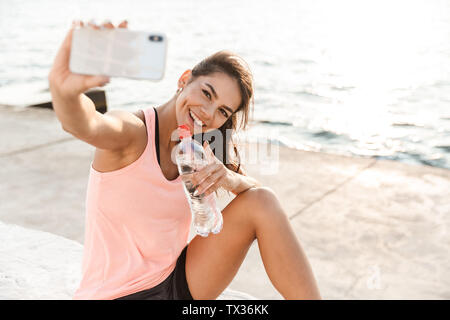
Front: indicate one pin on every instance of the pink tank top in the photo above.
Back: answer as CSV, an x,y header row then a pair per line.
x,y
137,224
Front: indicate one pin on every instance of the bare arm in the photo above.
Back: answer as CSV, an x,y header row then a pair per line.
x,y
73,109
76,112
76,115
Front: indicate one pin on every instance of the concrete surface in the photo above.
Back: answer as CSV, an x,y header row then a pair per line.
x,y
372,229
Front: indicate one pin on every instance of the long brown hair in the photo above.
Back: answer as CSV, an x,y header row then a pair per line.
x,y
234,66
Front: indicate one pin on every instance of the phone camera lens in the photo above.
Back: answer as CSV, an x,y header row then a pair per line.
x,y
155,38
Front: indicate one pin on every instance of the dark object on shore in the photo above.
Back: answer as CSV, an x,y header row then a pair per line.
x,y
97,96
37,94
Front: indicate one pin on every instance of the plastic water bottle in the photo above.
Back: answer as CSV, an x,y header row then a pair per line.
x,y
191,157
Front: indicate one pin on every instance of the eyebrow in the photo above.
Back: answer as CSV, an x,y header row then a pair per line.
x,y
216,96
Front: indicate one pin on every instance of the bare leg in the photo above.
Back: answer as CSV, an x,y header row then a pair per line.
x,y
283,257
212,262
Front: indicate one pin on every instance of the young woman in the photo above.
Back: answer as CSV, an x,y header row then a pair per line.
x,y
137,215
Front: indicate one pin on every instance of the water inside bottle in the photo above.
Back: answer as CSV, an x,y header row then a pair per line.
x,y
191,159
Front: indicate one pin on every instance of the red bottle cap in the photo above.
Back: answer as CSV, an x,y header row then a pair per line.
x,y
184,131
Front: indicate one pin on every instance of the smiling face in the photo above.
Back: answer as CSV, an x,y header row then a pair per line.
x,y
206,102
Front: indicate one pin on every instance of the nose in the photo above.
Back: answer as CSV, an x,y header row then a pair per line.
x,y
206,113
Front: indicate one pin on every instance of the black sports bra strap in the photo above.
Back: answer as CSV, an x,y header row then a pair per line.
x,y
156,135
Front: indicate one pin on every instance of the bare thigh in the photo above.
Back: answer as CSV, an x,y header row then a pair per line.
x,y
212,262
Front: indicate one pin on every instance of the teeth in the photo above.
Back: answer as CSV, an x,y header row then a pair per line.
x,y
196,120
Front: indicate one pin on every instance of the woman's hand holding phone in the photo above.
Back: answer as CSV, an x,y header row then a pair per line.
x,y
65,84
74,110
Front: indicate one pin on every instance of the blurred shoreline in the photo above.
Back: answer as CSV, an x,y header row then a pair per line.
x,y
270,135
374,90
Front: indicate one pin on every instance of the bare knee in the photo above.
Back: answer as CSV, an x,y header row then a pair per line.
x,y
262,202
258,192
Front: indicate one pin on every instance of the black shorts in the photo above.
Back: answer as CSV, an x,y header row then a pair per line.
x,y
174,287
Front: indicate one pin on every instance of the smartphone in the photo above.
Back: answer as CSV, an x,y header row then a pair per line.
x,y
118,52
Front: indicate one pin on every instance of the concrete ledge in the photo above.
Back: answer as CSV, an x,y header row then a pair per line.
x,y
37,265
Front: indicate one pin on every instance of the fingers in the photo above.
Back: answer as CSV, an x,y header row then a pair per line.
x,y
208,177
77,23
201,175
96,81
210,184
106,24
91,23
123,24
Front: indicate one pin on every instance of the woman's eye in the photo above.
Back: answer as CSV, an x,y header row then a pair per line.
x,y
225,114
207,94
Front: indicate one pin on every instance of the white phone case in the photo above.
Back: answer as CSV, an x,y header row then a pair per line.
x,y
118,52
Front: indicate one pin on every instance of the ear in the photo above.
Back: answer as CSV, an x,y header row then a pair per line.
x,y
185,78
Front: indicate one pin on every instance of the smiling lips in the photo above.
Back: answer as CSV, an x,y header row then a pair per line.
x,y
196,120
